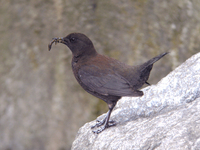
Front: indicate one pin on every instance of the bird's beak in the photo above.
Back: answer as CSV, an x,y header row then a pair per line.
x,y
56,40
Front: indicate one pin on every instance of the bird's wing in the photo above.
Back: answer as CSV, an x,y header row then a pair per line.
x,y
106,82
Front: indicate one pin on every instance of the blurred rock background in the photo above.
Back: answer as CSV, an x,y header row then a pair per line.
x,y
41,104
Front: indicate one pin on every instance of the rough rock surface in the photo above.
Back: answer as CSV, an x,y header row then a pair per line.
x,y
166,117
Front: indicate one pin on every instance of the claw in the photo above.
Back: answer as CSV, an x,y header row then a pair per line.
x,y
110,124
99,130
99,123
104,126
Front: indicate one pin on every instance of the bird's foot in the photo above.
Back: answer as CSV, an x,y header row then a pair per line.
x,y
104,127
100,123
99,130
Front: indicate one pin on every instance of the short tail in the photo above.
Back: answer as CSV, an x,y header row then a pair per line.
x,y
145,68
152,61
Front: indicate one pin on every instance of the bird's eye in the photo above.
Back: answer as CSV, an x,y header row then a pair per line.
x,y
72,39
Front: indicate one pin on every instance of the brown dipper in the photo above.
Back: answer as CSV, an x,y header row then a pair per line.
x,y
104,77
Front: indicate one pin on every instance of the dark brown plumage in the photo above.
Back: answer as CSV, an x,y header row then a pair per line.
x,y
104,77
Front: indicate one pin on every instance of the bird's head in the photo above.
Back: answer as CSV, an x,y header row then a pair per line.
x,y
78,43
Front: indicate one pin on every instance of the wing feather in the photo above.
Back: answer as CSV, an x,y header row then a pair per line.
x,y
106,82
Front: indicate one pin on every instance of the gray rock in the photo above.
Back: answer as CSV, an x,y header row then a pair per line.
x,y
166,117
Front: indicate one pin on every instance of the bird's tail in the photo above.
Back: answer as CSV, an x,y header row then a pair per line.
x,y
145,68
152,61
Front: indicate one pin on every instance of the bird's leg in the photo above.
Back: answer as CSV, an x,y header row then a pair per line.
x,y
100,123
105,122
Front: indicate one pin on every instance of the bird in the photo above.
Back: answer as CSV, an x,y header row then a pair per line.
x,y
104,77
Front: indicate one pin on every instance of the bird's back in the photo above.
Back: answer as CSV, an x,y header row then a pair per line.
x,y
109,74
